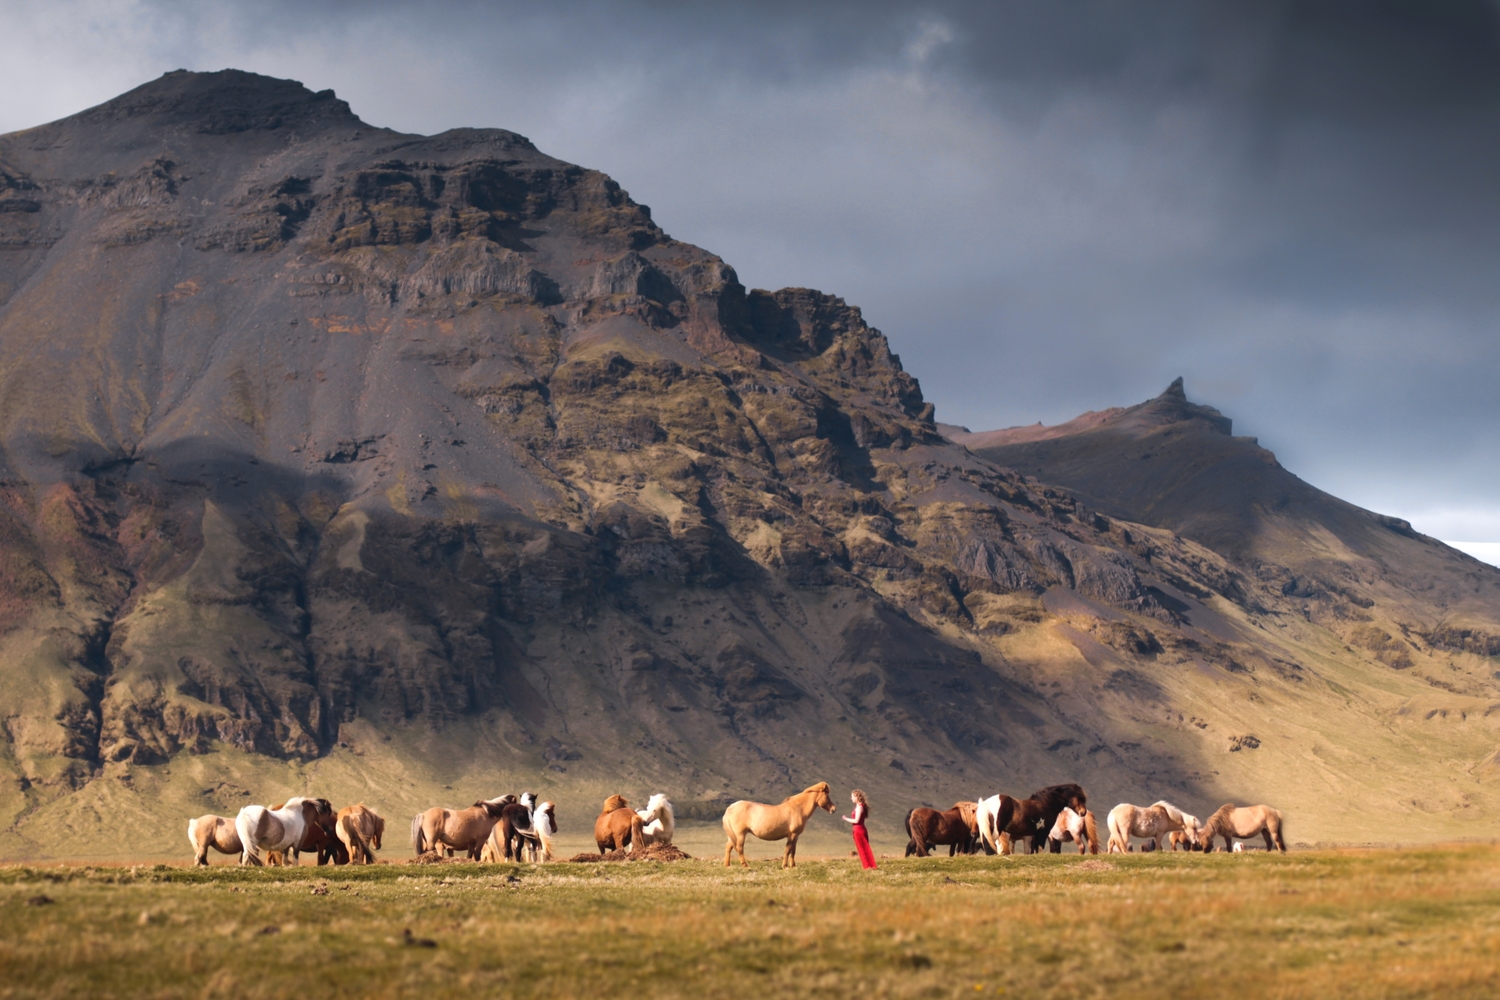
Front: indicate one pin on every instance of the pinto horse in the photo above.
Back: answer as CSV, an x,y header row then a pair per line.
x,y
212,831
784,821
1079,828
618,826
457,829
1035,816
993,815
1243,822
283,828
956,827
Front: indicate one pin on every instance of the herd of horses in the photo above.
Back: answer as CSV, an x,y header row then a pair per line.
x,y
519,828
1058,814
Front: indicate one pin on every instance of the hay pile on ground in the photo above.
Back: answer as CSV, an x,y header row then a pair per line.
x,y
433,858
654,852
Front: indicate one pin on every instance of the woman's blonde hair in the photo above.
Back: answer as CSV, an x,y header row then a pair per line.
x,y
859,796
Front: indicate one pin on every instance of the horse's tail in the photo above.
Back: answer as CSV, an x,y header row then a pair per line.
x,y
1280,827
199,853
637,834
418,841
1091,829
911,840
1117,838
348,832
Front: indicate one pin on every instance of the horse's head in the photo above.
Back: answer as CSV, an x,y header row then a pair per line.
x,y
823,796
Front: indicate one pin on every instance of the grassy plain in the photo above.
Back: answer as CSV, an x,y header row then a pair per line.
x,y
1375,923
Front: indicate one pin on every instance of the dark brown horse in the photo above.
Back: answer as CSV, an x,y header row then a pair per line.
x,y
956,827
1034,817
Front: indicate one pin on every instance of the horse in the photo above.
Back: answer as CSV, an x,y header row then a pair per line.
x,y
320,836
1187,837
545,821
658,821
1079,828
360,828
955,827
212,831
992,815
618,826
784,821
1125,821
457,829
280,829
1231,821
1040,811
516,830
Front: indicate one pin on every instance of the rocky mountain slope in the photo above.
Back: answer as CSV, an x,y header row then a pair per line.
x,y
415,467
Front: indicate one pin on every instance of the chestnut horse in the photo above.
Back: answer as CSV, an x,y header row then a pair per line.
x,y
784,821
360,828
212,831
955,827
457,829
618,826
1243,822
1035,816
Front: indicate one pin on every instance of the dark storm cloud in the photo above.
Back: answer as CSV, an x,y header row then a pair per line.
x,y
1049,206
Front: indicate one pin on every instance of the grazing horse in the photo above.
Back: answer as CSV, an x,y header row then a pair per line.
x,y
784,821
955,827
618,826
320,837
1079,828
658,821
457,829
280,829
360,828
212,831
1243,822
1185,838
992,815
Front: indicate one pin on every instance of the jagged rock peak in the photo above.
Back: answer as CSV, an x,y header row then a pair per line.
x,y
1173,406
1175,391
224,102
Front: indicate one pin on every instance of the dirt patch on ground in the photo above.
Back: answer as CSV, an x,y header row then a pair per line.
x,y
656,852
434,858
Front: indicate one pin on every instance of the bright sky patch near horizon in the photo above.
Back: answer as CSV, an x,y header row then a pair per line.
x,y
1047,208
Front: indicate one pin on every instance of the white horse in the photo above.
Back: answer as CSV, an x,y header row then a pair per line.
x,y
1187,836
1078,828
987,815
263,829
544,822
658,821
1152,823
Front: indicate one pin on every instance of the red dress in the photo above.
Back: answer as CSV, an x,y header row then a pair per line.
x,y
861,838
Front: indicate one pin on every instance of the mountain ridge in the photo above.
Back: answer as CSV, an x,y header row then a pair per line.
x,y
335,456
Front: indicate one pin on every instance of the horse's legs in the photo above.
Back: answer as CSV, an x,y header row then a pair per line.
x,y
789,856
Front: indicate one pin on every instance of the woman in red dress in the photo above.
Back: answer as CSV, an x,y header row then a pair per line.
x,y
861,838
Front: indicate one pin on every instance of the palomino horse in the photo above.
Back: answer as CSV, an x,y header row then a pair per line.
x,y
785,821
361,829
617,826
1243,822
658,822
993,815
1152,823
1079,828
281,829
457,829
212,831
927,827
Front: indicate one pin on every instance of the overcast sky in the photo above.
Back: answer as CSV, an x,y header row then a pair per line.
x,y
1049,206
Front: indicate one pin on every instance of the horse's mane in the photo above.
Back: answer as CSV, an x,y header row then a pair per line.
x,y
968,812
1057,796
614,802
821,786
1219,816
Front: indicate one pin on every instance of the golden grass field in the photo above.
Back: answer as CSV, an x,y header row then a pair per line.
x,y
1365,923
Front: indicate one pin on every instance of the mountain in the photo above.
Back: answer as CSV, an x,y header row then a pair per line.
x,y
413,468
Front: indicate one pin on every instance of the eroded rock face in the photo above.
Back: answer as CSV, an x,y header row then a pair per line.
x,y
305,422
